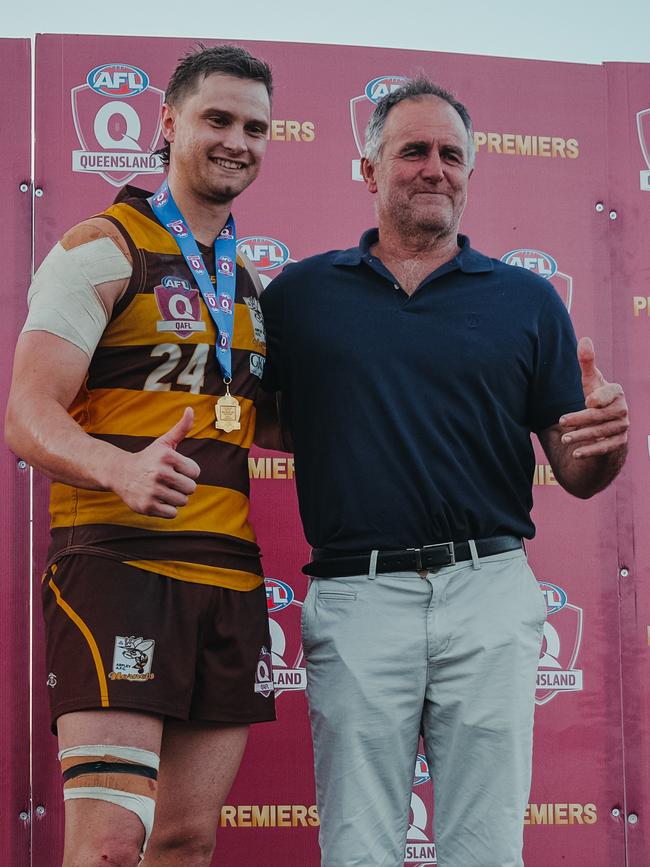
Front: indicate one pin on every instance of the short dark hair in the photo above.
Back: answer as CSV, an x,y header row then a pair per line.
x,y
223,59
411,89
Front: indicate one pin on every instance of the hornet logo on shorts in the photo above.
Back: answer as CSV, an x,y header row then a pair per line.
x,y
361,108
284,623
132,658
545,265
420,849
643,128
556,670
116,115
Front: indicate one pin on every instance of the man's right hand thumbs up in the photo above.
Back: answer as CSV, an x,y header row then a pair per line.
x,y
158,480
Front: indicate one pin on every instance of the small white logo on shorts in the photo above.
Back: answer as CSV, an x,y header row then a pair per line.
x,y
132,658
264,673
51,680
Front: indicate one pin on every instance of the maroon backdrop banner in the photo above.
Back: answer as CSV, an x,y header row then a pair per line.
x,y
561,187
16,198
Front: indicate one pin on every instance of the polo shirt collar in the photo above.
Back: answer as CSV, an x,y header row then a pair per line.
x,y
467,259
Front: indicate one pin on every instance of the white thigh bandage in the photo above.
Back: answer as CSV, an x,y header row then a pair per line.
x,y
126,776
63,297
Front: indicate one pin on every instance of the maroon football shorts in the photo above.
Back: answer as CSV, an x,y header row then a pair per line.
x,y
120,637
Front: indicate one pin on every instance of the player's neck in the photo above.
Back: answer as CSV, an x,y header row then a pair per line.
x,y
205,218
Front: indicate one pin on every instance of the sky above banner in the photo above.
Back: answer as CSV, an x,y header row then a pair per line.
x,y
582,31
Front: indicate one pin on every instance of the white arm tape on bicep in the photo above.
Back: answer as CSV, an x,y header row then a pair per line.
x,y
63,298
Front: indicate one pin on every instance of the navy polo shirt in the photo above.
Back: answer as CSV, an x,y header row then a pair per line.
x,y
411,416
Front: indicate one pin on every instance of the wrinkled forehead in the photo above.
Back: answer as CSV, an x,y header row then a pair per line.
x,y
424,118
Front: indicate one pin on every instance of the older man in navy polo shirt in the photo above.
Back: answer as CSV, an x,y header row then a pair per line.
x,y
413,370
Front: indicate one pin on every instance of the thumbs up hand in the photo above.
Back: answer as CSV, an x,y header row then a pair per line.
x,y
601,428
158,480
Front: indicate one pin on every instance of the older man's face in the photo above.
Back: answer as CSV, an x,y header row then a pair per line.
x,y
421,175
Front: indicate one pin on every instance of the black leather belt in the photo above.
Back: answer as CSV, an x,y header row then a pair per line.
x,y
330,564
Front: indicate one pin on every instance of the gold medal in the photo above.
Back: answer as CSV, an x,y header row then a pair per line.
x,y
228,411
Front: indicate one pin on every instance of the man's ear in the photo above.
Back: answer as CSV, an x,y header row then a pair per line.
x,y
368,174
168,124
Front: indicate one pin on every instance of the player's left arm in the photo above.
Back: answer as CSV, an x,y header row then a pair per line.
x,y
587,449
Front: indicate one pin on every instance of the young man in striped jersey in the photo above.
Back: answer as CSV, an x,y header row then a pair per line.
x,y
134,390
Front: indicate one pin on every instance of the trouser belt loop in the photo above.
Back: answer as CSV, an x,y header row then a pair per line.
x,y
476,563
372,571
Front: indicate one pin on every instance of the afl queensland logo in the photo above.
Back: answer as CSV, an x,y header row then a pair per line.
x,y
420,849
116,114
421,773
278,595
383,85
285,609
556,671
118,80
361,107
532,260
555,596
265,253
542,263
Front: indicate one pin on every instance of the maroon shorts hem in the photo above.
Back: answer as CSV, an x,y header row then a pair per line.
x,y
160,710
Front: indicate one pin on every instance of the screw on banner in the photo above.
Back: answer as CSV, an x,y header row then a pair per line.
x,y
24,187
600,207
23,815
632,819
38,192
40,810
22,465
616,812
624,573
613,215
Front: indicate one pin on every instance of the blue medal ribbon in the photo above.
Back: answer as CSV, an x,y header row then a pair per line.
x,y
220,304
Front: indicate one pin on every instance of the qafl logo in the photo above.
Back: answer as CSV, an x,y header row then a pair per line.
x,y
420,849
266,254
116,115
361,108
542,263
289,673
643,128
556,671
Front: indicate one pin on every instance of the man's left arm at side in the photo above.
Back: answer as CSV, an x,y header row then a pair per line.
x,y
587,449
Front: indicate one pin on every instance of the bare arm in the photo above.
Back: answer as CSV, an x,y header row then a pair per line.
x,y
587,449
48,373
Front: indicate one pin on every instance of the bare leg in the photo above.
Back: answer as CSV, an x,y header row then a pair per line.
x,y
198,764
97,833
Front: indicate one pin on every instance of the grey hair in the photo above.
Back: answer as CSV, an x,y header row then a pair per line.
x,y
411,89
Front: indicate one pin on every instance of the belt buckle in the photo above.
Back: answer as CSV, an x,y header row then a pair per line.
x,y
418,554
450,550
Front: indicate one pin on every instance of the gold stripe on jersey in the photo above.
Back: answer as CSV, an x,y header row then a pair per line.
x,y
137,327
231,579
210,509
127,412
145,231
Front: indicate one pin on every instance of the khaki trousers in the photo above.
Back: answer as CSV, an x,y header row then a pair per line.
x,y
452,655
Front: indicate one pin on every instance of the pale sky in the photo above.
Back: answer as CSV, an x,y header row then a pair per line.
x,y
584,31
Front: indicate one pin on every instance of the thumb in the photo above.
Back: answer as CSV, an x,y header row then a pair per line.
x,y
177,434
591,376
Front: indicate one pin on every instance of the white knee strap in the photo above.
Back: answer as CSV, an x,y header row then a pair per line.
x,y
133,773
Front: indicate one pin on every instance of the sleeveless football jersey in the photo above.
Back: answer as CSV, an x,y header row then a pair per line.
x,y
157,356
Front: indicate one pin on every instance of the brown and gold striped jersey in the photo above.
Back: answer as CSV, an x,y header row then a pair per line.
x,y
157,356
